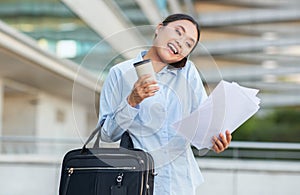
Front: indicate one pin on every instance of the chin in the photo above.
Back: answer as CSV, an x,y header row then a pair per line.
x,y
170,58
174,60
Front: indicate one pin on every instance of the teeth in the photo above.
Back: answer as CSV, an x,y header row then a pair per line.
x,y
173,48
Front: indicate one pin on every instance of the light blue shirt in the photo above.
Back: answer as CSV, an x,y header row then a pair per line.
x,y
150,123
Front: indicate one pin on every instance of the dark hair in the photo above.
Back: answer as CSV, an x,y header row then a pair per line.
x,y
175,17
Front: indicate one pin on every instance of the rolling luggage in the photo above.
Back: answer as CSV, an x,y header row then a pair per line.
x,y
107,171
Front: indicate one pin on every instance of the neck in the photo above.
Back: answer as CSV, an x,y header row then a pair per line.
x,y
157,63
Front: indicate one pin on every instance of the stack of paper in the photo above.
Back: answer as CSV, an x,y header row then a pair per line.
x,y
227,107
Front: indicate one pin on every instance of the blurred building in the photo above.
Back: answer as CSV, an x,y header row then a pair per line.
x,y
54,55
254,43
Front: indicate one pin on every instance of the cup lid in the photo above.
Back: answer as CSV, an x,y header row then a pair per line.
x,y
141,62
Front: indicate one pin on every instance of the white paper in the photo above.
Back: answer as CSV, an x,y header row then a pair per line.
x,y
227,107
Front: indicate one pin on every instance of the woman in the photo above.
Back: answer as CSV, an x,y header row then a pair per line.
x,y
148,109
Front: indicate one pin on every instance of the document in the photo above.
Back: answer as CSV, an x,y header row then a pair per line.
x,y
226,108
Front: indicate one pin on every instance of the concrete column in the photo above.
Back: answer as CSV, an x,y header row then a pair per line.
x,y
1,104
1,109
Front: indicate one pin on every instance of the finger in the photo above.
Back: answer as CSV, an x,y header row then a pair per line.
x,y
149,94
147,79
153,88
142,80
152,82
215,148
228,136
223,139
218,143
149,84
139,92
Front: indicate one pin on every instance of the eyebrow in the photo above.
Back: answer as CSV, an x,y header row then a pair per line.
x,y
183,29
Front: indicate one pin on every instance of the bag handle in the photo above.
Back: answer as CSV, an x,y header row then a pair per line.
x,y
126,141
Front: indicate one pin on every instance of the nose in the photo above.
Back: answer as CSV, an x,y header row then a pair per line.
x,y
178,44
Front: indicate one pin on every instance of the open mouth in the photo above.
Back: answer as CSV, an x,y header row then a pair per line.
x,y
173,48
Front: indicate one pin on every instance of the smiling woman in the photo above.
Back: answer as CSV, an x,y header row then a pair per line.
x,y
183,33
147,109
178,38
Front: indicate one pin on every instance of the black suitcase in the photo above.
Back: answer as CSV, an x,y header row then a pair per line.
x,y
107,171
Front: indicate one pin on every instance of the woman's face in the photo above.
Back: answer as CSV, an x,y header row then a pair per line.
x,y
175,41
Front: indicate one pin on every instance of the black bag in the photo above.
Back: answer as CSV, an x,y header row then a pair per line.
x,y
107,171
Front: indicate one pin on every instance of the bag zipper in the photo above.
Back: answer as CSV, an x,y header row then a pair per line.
x,y
147,175
105,155
142,182
72,169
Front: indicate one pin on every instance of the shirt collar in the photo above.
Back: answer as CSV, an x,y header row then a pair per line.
x,y
169,69
166,69
140,56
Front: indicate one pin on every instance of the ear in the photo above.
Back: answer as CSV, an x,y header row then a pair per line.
x,y
159,26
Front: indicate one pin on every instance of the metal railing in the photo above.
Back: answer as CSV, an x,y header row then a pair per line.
x,y
236,150
258,150
37,145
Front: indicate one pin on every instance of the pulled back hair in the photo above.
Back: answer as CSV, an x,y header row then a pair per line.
x,y
176,17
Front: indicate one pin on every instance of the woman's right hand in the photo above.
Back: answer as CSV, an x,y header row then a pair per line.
x,y
143,88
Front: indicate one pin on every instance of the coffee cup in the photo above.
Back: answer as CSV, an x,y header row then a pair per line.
x,y
145,67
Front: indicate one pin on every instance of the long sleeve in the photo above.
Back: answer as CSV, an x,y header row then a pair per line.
x,y
114,108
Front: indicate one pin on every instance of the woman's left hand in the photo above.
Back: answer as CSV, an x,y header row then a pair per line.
x,y
221,143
